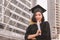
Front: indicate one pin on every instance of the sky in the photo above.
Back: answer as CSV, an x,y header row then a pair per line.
x,y
43,3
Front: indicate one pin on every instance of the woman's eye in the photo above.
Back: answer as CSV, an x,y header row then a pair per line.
x,y
39,15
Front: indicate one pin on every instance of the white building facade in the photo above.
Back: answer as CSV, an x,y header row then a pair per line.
x,y
54,18
14,18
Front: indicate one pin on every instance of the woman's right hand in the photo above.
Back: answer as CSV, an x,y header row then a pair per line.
x,y
34,35
38,32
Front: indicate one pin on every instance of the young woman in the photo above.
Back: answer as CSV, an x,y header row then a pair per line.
x,y
33,32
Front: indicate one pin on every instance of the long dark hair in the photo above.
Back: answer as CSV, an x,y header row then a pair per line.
x,y
34,19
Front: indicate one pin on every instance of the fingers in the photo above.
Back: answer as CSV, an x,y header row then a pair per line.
x,y
38,32
33,38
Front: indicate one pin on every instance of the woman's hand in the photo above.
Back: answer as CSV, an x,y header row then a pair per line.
x,y
33,38
38,32
34,35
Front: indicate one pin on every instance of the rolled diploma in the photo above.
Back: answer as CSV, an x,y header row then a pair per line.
x,y
38,24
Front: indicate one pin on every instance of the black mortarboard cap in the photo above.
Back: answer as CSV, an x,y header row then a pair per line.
x,y
37,8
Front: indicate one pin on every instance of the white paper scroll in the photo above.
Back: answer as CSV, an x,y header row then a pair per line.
x,y
38,25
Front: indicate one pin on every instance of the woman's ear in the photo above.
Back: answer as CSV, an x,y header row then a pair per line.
x,y
31,22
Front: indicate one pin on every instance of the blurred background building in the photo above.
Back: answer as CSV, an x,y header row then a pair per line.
x,y
54,18
14,18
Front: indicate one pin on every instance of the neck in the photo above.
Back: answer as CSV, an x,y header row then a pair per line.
x,y
39,21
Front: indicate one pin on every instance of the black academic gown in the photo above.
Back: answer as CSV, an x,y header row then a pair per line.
x,y
45,28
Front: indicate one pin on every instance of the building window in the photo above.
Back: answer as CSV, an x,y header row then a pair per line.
x,y
8,28
27,22
57,19
6,19
17,31
57,11
25,15
57,16
15,16
20,5
57,24
11,7
0,9
23,20
5,3
2,26
8,13
20,26
58,30
23,1
26,9
14,2
18,11
12,23
28,4
1,1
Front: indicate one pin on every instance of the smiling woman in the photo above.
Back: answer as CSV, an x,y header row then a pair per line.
x,y
41,29
44,5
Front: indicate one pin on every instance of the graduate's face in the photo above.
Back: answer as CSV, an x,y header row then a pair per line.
x,y
38,16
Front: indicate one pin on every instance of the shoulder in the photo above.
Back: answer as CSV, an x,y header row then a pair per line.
x,y
30,26
46,22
